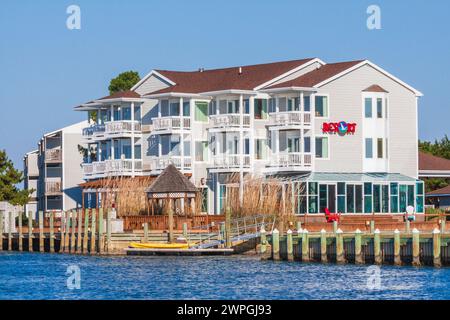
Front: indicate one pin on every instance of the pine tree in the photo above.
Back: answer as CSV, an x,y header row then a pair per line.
x,y
10,177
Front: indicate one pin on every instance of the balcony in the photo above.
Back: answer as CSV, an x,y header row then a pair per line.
x,y
53,186
112,129
171,123
53,156
225,121
230,161
290,118
111,168
290,161
160,163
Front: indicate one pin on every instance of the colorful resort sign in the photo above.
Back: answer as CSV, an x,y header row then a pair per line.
x,y
341,128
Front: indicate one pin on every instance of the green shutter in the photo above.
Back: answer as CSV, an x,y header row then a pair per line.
x,y
201,111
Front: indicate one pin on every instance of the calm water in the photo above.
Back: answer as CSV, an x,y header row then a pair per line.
x,y
43,276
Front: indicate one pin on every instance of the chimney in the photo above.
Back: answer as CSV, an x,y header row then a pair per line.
x,y
240,70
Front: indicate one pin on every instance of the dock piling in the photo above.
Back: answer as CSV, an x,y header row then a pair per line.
x,y
377,246
358,247
407,226
263,244
335,227
72,235
30,231
108,230
79,230
145,239
66,231
20,231
101,230
10,227
397,257
416,247
290,246
305,246
372,226
228,227
437,248
443,225
52,232
41,231
340,258
93,230
323,246
299,225
86,231
1,230
185,230
275,244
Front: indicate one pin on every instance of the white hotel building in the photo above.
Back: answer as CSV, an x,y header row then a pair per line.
x,y
346,131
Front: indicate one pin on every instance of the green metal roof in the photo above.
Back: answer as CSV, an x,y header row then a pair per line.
x,y
352,177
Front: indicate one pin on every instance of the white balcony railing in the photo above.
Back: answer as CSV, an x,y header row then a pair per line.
x,y
112,128
292,159
229,120
53,155
173,122
111,167
230,161
290,118
160,163
53,186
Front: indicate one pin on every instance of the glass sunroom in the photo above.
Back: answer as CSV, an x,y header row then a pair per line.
x,y
357,193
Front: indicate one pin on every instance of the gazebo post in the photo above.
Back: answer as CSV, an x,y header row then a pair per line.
x,y
170,221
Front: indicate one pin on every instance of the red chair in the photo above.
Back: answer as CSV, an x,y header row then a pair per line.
x,y
332,216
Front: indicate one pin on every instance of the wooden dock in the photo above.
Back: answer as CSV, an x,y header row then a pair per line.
x,y
410,247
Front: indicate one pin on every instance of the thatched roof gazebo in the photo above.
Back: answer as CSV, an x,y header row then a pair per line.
x,y
171,185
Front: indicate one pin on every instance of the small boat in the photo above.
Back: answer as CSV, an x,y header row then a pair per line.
x,y
150,245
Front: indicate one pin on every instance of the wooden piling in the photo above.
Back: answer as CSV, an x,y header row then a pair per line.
x,y
101,230
108,230
443,225
145,238
305,246
185,230
30,231
290,246
20,231
335,227
93,231
1,230
416,247
377,246
323,246
437,248
86,231
397,257
275,244
299,225
73,231
10,227
263,242
52,232
66,230
358,247
340,258
228,227
41,231
79,230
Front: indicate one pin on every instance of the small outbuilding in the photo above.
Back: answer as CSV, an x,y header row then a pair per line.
x,y
175,191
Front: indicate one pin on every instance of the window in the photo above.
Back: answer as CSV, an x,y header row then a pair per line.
x,y
261,150
379,108
367,197
212,107
294,144
322,106
350,198
233,106
186,109
164,108
377,198
187,148
272,105
313,200
204,194
419,197
380,148
293,104
368,107
246,106
116,149
126,113
323,197
137,112
282,104
394,197
201,153
306,103
174,108
322,147
358,198
126,148
369,147
385,200
117,113
341,197
402,206
307,144
201,109
260,109
137,151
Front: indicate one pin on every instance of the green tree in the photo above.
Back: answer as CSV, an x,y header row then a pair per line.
x,y
9,178
124,81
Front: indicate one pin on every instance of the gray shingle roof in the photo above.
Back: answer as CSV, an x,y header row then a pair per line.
x,y
171,180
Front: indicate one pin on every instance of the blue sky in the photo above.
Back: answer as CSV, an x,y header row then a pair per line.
x,y
46,69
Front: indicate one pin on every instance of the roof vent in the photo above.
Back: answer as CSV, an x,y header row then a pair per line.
x,y
201,69
240,70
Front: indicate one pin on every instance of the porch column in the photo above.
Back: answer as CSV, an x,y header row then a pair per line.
x,y
182,135
132,140
112,112
312,99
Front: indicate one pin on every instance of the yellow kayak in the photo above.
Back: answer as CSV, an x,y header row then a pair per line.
x,y
149,245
